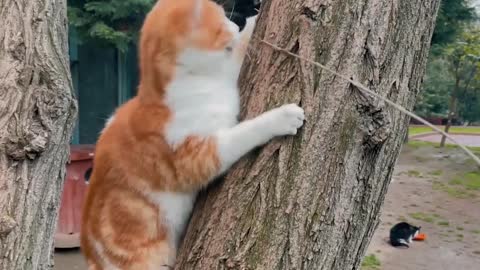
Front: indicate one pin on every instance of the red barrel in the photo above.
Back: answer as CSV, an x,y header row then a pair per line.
x,y
74,191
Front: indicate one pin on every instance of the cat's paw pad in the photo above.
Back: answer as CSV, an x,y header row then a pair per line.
x,y
287,119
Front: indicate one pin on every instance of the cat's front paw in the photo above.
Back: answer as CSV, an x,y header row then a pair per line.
x,y
286,120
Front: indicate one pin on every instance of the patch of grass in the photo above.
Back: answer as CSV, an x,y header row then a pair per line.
x,y
371,262
460,235
419,144
414,173
471,181
455,182
402,219
460,228
413,130
476,252
422,216
444,223
461,187
456,191
436,173
421,159
475,231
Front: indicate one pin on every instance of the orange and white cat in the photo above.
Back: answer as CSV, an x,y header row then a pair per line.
x,y
178,134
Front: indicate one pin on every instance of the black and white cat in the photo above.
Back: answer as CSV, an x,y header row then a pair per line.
x,y
402,234
238,11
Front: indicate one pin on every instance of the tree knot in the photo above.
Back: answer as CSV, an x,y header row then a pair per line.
x,y
7,224
375,123
32,143
50,105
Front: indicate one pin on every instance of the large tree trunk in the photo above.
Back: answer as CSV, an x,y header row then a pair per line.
x,y
37,111
313,201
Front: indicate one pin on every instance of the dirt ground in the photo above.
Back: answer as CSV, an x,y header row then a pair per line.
x,y
69,259
423,194
427,191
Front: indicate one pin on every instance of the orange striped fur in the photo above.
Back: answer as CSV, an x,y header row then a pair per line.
x,y
178,134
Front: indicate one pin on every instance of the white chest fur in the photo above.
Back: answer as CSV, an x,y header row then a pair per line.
x,y
200,106
175,209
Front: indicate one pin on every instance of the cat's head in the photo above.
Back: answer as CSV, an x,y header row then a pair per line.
x,y
415,230
192,34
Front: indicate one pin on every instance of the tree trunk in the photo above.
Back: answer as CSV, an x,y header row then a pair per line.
x,y
407,136
313,201
37,111
451,114
452,109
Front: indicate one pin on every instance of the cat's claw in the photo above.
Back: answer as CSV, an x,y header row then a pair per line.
x,y
286,120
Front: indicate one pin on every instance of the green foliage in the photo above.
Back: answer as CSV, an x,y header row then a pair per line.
x,y
463,59
454,71
109,22
117,22
433,100
452,17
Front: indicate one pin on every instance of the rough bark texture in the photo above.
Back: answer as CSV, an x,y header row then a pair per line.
x,y
37,111
313,201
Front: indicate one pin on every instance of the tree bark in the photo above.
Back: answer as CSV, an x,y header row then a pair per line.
x,y
37,112
312,201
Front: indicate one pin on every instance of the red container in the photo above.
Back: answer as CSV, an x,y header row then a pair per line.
x,y
74,190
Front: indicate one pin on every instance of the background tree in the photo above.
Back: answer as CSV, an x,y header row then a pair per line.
x,y
451,20
433,100
111,22
464,66
117,22
312,201
454,18
37,111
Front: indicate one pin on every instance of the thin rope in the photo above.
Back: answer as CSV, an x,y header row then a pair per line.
x,y
372,93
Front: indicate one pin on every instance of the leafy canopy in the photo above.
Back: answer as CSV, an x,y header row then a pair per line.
x,y
108,21
451,19
455,71
453,40
117,22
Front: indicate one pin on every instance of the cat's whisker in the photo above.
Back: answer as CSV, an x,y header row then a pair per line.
x,y
233,10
